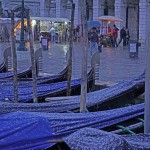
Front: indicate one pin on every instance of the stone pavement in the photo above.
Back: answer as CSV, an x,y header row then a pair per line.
x,y
115,63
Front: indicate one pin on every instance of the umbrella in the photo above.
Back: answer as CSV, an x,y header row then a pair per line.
x,y
93,23
109,18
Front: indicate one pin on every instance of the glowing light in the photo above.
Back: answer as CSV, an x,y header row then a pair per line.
x,y
33,22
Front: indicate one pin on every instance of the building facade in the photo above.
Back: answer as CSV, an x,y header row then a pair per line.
x,y
132,12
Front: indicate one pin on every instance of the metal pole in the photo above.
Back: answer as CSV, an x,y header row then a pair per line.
x,y
22,41
14,58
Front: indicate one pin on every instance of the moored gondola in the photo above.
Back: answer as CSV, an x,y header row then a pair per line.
x,y
26,73
44,90
3,67
91,138
62,76
54,126
93,98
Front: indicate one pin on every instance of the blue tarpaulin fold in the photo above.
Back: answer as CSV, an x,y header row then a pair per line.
x,y
23,131
89,138
93,98
29,130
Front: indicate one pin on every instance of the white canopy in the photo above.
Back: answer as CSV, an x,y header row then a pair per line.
x,y
51,19
39,18
8,19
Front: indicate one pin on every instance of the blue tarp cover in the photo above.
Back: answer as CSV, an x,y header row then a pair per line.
x,y
22,130
10,74
25,91
93,98
93,139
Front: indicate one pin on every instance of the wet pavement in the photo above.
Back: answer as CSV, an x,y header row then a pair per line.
x,y
115,63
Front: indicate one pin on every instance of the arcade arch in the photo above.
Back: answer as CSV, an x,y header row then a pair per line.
x,y
17,9
63,9
50,8
106,7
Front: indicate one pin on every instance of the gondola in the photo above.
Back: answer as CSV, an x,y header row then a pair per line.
x,y
46,127
90,138
44,90
62,76
3,67
96,98
26,73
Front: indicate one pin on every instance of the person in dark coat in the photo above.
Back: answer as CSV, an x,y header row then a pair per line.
x,y
93,39
122,36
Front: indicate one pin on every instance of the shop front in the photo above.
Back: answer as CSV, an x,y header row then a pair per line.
x,y
58,28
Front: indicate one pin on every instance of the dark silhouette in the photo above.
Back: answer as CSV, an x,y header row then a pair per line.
x,y
127,36
122,36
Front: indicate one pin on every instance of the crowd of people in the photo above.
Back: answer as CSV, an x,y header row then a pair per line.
x,y
62,36
96,40
124,36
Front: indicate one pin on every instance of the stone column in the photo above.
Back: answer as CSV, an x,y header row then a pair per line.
x,y
76,15
142,21
58,3
100,8
95,9
118,12
42,8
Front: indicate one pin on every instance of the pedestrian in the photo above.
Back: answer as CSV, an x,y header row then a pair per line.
x,y
40,38
74,34
122,36
127,36
110,39
109,31
100,43
78,30
93,39
115,35
52,34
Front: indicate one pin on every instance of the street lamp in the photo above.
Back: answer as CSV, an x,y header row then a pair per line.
x,y
22,41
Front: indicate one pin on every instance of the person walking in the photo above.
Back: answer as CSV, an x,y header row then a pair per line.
x,y
115,35
122,36
53,34
127,36
93,39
